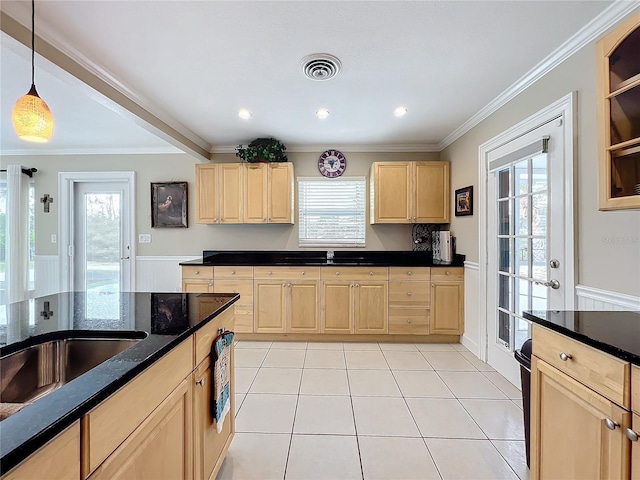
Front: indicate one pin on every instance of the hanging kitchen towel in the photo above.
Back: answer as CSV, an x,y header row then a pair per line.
x,y
221,393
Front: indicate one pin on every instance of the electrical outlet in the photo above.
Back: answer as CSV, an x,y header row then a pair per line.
x,y
54,238
144,238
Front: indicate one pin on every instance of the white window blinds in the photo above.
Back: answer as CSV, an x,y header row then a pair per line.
x,y
332,212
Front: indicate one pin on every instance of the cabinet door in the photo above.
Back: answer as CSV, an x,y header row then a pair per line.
x,y
280,193
59,459
303,307
206,193
569,437
432,192
393,192
230,192
255,193
370,307
337,307
270,306
161,447
209,445
193,285
447,308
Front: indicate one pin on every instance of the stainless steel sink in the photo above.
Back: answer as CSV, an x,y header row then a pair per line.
x,y
31,373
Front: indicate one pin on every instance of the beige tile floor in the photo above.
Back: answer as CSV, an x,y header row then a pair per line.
x,y
372,411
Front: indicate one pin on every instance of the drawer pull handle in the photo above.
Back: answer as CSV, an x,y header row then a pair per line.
x,y
357,285
409,273
233,273
303,273
409,294
197,272
201,382
270,273
337,273
611,425
371,274
565,356
448,272
631,435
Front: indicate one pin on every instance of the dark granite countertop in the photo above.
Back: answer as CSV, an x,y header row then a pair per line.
x,y
366,258
616,333
75,314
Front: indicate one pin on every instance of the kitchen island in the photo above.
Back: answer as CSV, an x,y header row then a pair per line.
x,y
585,395
112,406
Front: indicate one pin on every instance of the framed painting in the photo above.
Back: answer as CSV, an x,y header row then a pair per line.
x,y
464,201
169,205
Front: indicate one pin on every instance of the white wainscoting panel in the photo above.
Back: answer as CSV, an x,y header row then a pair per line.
x,y
159,274
590,298
47,274
471,337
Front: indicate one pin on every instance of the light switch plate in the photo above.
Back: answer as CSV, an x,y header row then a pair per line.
x,y
54,238
144,238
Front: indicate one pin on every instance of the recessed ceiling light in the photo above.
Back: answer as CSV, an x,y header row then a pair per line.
x,y
400,111
244,114
322,113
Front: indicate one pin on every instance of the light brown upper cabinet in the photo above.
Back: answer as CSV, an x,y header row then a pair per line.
x,y
410,192
219,193
619,116
268,193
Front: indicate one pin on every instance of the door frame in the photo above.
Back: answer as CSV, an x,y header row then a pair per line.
x,y
563,110
66,186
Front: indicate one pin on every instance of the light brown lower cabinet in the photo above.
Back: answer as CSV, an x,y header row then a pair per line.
x,y
160,447
337,311
635,446
370,307
59,459
447,306
286,306
571,437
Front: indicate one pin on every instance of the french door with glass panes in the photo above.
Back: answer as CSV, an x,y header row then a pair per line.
x,y
526,264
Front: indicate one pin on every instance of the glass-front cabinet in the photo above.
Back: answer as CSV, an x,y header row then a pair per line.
x,y
619,116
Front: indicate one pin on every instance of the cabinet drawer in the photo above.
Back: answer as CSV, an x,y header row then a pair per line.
x,y
409,321
443,274
354,273
409,294
607,375
635,389
409,273
197,272
233,272
207,334
286,273
243,287
111,422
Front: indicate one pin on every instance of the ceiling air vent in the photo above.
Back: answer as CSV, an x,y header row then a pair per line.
x,y
320,66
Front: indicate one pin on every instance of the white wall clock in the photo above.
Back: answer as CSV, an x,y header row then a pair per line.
x,y
332,163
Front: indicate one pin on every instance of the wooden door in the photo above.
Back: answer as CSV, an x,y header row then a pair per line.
x,y
269,306
206,193
280,193
371,307
209,445
255,193
635,448
447,308
59,459
230,192
197,285
161,447
393,192
303,307
337,307
569,437
432,192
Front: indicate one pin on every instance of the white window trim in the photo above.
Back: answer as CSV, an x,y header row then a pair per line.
x,y
334,244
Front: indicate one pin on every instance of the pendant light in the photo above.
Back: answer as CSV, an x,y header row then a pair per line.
x,y
31,117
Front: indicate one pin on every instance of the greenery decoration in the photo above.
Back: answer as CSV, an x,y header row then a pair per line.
x,y
262,150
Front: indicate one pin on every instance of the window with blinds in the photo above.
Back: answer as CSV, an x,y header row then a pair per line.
x,y
332,212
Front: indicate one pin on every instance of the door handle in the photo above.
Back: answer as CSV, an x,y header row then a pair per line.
x,y
124,258
555,284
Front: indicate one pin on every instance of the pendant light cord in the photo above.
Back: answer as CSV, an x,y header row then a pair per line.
x,y
33,42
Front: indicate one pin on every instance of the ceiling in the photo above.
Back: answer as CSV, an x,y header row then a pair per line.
x,y
194,64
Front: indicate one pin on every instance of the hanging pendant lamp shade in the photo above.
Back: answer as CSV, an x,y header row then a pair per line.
x,y
31,117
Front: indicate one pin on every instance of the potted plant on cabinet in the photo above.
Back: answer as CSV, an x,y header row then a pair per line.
x,y
262,150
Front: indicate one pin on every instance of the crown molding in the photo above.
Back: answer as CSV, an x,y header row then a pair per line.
x,y
390,148
587,34
94,151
